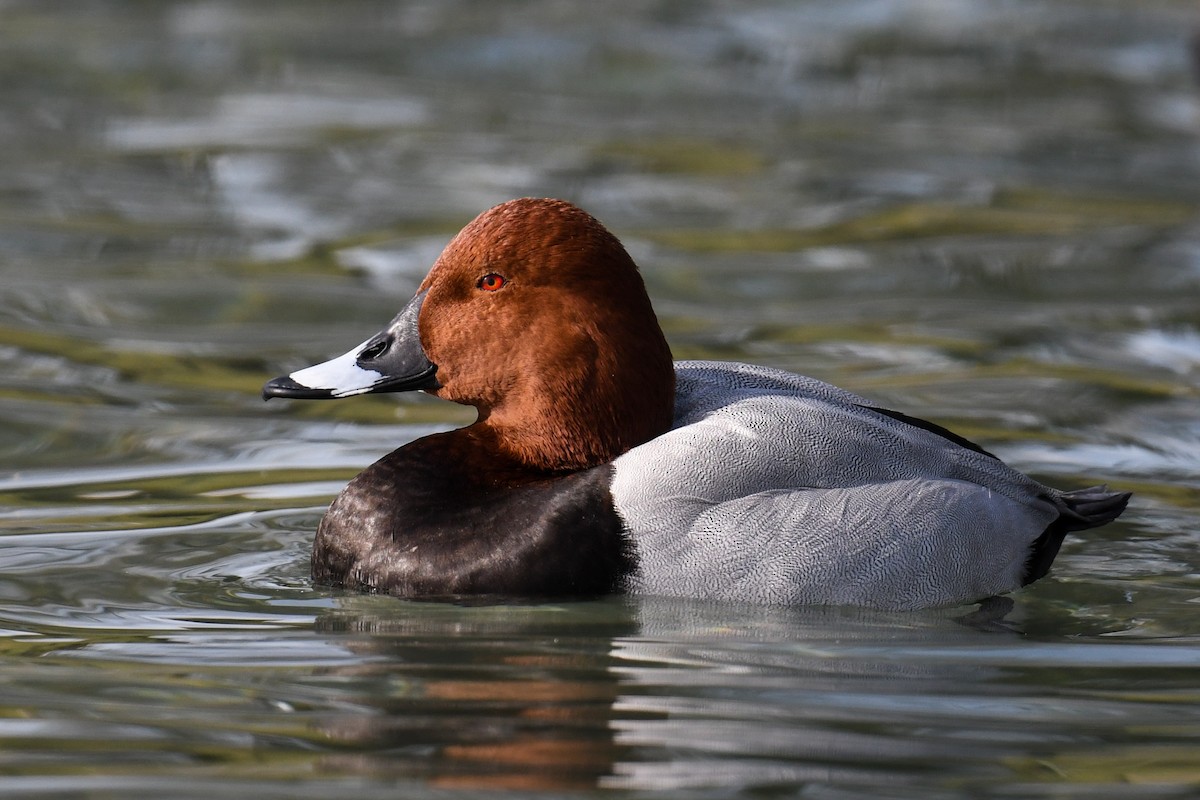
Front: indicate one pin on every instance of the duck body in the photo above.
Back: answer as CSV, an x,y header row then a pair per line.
x,y
597,465
779,488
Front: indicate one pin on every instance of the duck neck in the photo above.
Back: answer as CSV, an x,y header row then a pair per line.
x,y
543,443
568,431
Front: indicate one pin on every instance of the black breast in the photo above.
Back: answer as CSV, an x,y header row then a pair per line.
x,y
420,522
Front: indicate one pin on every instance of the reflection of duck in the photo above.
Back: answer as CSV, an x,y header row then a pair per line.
x,y
500,697
595,466
650,694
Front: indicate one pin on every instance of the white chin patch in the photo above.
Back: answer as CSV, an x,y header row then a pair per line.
x,y
342,376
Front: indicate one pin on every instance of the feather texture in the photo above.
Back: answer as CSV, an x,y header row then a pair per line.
x,y
779,488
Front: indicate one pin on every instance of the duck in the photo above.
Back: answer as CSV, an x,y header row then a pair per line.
x,y
598,465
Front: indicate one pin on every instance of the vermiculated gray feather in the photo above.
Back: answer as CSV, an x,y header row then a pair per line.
x,y
779,488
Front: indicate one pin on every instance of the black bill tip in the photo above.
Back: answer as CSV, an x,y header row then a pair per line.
x,y
286,387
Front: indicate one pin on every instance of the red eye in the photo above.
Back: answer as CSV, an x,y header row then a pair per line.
x,y
491,282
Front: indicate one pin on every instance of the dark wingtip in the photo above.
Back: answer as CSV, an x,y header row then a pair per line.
x,y
286,387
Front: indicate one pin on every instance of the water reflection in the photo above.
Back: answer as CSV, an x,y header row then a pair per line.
x,y
668,695
509,697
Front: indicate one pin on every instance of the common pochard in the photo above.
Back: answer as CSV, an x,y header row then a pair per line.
x,y
597,465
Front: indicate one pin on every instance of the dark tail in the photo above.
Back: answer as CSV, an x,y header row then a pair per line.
x,y
1081,509
1091,508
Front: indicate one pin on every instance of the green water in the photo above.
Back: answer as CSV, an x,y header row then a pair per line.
x,y
987,214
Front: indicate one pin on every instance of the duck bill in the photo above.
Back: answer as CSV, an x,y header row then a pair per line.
x,y
390,361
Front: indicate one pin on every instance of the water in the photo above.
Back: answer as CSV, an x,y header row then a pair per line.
x,y
982,213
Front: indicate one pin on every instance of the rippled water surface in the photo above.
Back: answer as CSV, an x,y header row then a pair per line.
x,y
984,213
